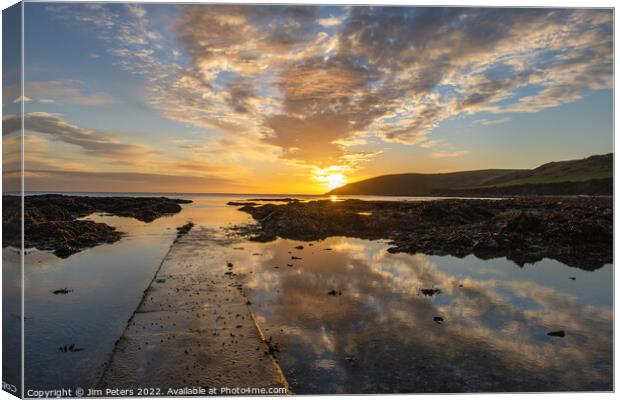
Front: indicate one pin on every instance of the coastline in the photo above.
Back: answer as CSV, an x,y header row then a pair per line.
x,y
54,222
577,231
209,253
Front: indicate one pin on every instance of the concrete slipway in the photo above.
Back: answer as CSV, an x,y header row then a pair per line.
x,y
193,328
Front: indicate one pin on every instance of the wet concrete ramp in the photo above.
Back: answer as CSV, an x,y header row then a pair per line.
x,y
193,328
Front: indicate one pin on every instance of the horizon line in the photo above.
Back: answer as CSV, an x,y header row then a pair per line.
x,y
168,193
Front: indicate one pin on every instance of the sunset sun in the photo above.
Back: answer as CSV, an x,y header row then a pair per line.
x,y
335,180
331,177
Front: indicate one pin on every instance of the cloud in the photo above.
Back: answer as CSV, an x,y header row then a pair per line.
x,y
89,15
329,22
309,86
86,181
429,144
492,121
11,123
64,91
485,316
37,151
93,150
20,99
448,154
92,143
392,72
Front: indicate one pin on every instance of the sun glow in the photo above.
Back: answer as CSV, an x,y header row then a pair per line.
x,y
335,180
331,177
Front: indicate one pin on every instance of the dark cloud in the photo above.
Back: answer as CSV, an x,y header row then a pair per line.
x,y
91,142
11,123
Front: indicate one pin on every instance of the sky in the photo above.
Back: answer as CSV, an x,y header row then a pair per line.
x,y
300,99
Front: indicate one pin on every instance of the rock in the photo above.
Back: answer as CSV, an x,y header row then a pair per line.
x,y
272,348
523,221
62,291
485,244
52,221
334,293
65,238
70,349
430,292
438,320
295,258
242,203
279,200
183,230
300,247
576,231
557,333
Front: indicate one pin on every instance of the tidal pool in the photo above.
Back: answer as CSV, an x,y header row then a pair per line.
x,y
357,319
348,316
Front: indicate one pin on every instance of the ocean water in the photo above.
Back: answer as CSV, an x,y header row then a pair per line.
x,y
376,335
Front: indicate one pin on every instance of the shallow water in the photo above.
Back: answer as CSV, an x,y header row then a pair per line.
x,y
378,335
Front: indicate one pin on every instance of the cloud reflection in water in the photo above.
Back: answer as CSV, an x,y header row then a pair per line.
x,y
379,336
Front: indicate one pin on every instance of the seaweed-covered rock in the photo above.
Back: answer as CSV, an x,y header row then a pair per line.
x,y
577,231
51,222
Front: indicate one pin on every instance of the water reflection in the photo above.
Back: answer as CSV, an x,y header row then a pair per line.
x,y
107,283
11,318
379,336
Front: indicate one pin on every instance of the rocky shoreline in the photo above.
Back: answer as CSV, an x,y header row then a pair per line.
x,y
577,231
51,222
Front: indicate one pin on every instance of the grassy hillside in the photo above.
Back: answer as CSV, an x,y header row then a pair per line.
x,y
592,175
592,187
593,167
421,184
